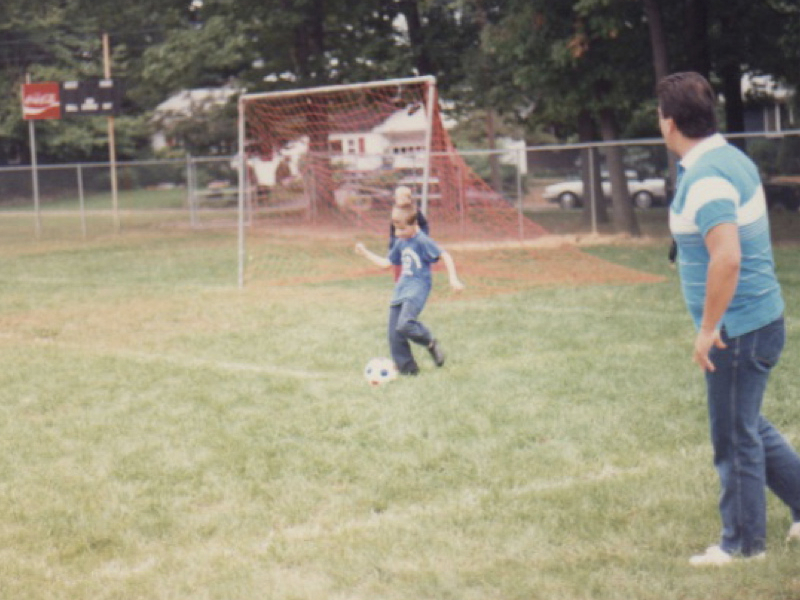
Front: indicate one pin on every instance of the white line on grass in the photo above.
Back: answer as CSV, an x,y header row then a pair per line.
x,y
469,499
186,361
183,361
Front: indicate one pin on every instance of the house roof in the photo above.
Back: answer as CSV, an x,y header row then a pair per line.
x,y
407,120
185,101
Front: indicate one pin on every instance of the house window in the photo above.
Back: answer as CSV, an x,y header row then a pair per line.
x,y
362,146
336,146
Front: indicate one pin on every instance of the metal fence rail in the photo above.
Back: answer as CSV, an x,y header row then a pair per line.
x,y
197,192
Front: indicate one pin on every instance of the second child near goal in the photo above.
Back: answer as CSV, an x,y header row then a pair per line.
x,y
415,252
404,199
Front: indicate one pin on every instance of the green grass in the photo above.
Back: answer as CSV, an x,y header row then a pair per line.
x,y
165,435
139,199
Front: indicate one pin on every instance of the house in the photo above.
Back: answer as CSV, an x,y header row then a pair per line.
x,y
395,142
183,105
768,105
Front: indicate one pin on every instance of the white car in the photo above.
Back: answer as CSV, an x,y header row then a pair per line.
x,y
644,192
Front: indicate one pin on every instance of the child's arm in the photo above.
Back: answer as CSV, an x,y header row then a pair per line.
x,y
380,261
450,265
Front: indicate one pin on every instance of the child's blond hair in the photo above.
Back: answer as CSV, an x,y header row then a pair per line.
x,y
402,196
404,214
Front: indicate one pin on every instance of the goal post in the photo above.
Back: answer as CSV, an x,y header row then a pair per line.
x,y
329,158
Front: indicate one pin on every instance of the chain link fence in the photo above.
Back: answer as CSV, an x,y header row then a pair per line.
x,y
544,183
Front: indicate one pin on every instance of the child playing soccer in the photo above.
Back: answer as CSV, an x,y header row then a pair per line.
x,y
415,252
402,198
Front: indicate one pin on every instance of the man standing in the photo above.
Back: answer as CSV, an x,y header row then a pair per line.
x,y
718,217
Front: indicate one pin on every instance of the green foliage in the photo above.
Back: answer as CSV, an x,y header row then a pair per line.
x,y
776,158
565,59
538,64
209,129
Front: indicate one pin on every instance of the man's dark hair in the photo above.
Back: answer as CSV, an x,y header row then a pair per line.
x,y
688,99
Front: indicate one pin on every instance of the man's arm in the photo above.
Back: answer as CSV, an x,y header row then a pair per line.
x,y
722,278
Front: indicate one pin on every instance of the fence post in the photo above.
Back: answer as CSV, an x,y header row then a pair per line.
x,y
520,199
592,193
35,182
191,190
81,201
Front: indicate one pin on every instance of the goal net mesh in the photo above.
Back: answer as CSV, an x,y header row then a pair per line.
x,y
329,159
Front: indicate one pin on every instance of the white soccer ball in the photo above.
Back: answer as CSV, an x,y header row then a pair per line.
x,y
379,371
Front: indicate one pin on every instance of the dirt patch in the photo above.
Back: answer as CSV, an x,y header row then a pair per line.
x,y
548,263
486,267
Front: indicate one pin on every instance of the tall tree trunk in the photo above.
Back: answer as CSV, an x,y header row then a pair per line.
x,y
658,45
731,76
696,41
486,76
591,178
494,159
309,43
416,37
624,217
658,40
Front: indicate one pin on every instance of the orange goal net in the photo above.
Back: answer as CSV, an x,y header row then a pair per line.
x,y
329,158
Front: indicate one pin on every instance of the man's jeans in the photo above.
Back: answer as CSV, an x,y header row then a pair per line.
x,y
404,326
749,452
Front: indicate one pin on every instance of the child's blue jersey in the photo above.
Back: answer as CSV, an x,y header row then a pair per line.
x,y
718,183
416,255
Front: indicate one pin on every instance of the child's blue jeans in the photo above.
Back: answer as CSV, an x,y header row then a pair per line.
x,y
404,328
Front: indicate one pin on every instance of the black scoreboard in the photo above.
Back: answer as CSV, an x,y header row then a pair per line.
x,y
91,97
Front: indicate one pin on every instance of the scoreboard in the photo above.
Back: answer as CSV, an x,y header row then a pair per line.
x,y
52,100
93,97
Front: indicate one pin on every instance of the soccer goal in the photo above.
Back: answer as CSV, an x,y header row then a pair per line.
x,y
328,159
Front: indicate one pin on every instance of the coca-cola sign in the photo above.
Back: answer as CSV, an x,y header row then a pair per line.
x,y
41,101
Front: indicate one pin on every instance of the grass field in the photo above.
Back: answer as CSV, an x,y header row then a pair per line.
x,y
165,435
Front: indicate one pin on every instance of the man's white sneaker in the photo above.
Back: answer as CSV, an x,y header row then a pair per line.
x,y
714,556
794,532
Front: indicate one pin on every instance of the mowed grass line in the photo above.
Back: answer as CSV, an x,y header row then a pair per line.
x,y
173,437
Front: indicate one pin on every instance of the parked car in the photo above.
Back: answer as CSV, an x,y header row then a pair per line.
x,y
644,193
782,196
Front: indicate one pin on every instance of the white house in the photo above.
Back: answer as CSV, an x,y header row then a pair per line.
x,y
397,143
768,103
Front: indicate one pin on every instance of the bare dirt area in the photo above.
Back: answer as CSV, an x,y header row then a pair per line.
x,y
487,266
547,261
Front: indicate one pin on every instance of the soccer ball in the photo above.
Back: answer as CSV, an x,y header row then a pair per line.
x,y
379,371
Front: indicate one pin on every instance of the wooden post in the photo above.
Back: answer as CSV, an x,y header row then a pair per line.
x,y
112,151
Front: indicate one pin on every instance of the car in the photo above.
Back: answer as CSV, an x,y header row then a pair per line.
x,y
644,193
782,196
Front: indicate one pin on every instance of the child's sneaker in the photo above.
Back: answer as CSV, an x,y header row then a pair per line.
x,y
794,532
436,352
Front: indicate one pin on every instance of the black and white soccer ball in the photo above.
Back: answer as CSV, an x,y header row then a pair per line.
x,y
380,371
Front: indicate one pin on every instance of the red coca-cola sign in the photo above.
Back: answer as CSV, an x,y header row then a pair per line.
x,y
41,101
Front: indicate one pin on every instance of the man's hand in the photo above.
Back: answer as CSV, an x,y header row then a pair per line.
x,y
457,285
706,338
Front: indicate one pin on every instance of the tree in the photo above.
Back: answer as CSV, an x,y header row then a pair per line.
x,y
62,42
580,65
724,40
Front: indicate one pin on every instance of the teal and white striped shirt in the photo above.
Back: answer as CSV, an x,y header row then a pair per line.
x,y
718,183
